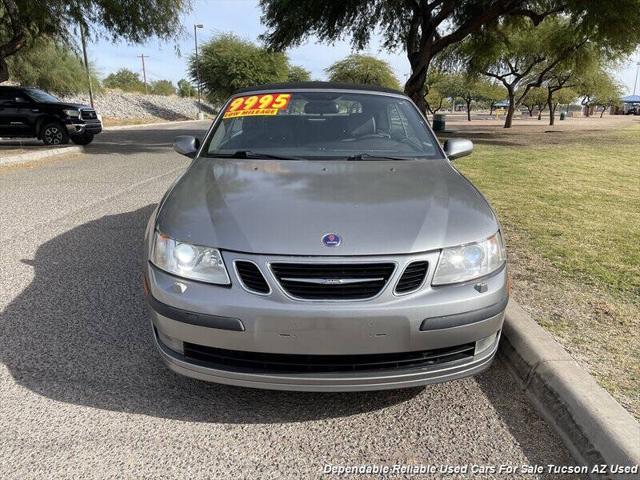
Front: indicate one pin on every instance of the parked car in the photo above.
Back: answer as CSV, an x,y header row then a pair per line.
x,y
29,112
322,240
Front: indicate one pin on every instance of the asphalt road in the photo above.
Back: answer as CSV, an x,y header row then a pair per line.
x,y
83,394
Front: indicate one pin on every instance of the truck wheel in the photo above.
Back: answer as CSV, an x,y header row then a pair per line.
x,y
54,134
84,139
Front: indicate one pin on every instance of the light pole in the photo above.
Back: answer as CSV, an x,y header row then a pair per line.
x,y
635,82
195,37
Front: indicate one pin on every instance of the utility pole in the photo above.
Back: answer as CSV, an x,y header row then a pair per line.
x,y
86,65
195,37
635,82
144,72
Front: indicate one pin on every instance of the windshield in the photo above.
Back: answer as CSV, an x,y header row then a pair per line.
x,y
40,96
322,125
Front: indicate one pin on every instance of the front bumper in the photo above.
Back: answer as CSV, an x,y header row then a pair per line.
x,y
80,127
186,312
331,382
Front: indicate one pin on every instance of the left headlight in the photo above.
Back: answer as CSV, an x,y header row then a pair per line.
x,y
473,260
72,113
194,262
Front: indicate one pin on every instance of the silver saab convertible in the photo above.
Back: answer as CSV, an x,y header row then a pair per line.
x,y
321,240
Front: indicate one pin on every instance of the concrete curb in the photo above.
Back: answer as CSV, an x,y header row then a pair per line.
x,y
596,428
152,124
39,155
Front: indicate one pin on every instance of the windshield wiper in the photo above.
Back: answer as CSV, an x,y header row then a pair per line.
x,y
367,156
252,154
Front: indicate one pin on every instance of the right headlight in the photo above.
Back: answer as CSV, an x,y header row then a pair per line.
x,y
72,113
473,260
188,261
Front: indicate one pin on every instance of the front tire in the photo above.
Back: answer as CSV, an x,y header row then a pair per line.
x,y
54,133
84,139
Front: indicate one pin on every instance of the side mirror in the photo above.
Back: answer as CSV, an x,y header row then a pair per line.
x,y
186,145
458,147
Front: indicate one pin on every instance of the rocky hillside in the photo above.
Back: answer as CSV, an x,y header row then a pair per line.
x,y
116,104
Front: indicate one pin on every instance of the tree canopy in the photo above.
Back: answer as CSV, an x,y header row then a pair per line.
x,y
298,74
23,21
425,28
598,88
52,67
227,63
162,87
363,69
125,80
186,88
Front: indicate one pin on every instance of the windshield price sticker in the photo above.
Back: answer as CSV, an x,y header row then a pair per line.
x,y
266,104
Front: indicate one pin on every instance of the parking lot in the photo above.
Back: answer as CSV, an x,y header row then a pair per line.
x,y
83,393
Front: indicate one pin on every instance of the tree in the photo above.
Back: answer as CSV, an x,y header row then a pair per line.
x,y
363,69
24,21
521,55
491,93
52,67
568,73
227,63
298,74
564,96
125,80
186,88
536,99
163,87
471,89
424,28
441,87
598,88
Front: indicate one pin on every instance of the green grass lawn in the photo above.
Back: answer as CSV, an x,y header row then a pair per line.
x,y
571,213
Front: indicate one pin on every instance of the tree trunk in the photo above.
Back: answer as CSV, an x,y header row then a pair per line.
x,y
508,120
603,109
4,70
552,109
530,111
539,113
468,110
552,113
415,88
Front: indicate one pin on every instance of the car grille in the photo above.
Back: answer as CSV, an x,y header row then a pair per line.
x,y
251,277
88,114
412,277
332,281
257,362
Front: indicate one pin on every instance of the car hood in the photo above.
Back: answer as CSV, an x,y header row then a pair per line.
x,y
285,207
67,105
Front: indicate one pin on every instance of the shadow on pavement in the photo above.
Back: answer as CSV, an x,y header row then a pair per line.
x,y
80,334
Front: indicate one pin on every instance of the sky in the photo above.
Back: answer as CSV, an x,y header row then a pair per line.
x,y
243,18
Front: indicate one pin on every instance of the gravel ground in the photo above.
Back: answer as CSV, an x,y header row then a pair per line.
x,y
122,105
83,394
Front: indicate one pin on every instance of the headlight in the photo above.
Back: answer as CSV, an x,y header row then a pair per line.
x,y
189,261
473,260
72,113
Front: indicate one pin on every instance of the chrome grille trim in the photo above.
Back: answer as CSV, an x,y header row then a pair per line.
x,y
350,280
88,114
241,282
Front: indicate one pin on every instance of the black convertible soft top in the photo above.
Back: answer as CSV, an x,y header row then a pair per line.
x,y
317,85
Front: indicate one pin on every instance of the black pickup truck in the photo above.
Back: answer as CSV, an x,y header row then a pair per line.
x,y
29,112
